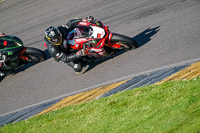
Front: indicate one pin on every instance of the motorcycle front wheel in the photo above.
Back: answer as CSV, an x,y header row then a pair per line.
x,y
125,41
34,55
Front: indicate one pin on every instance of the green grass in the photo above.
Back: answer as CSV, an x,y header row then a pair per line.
x,y
166,108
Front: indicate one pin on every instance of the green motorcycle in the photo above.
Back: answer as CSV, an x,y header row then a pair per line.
x,y
14,55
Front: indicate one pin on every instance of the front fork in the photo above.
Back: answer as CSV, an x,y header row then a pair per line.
x,y
111,44
21,55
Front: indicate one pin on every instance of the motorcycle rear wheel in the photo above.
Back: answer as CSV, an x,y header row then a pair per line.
x,y
35,55
125,41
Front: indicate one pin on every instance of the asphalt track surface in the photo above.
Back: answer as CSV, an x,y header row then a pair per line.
x,y
167,32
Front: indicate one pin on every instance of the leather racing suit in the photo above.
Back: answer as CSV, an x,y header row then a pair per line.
x,y
63,53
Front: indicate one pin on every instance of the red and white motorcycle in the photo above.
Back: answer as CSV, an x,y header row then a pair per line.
x,y
98,40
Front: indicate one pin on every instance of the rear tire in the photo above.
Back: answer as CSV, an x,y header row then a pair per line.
x,y
35,55
125,41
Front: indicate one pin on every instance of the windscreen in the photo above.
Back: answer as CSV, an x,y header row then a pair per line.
x,y
83,31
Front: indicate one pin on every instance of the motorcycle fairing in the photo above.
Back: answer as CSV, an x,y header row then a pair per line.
x,y
86,32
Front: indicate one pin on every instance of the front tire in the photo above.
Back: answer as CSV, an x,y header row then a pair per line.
x,y
125,41
35,55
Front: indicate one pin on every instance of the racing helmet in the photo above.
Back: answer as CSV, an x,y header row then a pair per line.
x,y
53,35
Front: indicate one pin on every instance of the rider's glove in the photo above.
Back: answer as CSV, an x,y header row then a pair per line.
x,y
80,53
2,34
89,19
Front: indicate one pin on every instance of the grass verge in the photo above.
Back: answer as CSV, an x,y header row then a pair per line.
x,y
169,107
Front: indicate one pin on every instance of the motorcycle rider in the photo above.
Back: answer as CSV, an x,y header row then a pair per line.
x,y
7,59
55,38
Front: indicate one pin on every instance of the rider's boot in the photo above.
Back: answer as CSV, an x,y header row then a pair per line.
x,y
81,67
